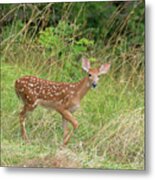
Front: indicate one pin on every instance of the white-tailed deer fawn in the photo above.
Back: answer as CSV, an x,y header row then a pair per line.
x,y
63,97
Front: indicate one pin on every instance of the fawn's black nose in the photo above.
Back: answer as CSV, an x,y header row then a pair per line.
x,y
94,85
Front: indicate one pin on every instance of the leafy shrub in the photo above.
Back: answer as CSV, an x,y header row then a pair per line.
x,y
61,40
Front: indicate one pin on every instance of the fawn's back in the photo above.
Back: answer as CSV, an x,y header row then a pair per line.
x,y
35,91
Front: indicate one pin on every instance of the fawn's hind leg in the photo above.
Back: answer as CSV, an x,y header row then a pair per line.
x,y
22,117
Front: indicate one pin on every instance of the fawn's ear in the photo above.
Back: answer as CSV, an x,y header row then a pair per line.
x,y
104,68
85,64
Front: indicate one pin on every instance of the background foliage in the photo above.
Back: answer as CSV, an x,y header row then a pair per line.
x,y
48,40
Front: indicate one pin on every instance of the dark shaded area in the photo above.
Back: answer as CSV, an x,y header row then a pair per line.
x,y
94,18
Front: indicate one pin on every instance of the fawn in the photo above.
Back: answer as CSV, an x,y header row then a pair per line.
x,y
62,96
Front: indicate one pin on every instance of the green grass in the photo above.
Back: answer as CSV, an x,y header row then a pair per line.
x,y
110,133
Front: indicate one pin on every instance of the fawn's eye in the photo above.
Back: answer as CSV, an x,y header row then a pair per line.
x,y
89,75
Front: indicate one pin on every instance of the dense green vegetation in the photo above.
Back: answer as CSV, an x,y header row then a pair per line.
x,y
48,41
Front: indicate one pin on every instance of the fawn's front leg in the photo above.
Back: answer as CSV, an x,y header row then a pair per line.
x,y
68,117
65,128
67,135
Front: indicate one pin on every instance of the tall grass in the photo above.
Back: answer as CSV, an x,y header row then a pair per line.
x,y
111,118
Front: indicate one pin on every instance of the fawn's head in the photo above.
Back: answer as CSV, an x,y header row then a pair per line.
x,y
94,74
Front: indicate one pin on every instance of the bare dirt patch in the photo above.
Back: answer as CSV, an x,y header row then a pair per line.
x,y
64,158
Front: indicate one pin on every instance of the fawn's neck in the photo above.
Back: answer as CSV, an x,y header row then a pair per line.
x,y
83,87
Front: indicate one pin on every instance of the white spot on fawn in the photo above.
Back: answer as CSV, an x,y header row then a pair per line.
x,y
31,84
53,87
63,91
57,94
71,85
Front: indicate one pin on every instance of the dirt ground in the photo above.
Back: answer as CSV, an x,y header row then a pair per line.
x,y
64,158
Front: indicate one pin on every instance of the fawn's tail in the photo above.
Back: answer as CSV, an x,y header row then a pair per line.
x,y
16,90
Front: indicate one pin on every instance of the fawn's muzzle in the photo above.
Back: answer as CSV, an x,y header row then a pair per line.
x,y
94,85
